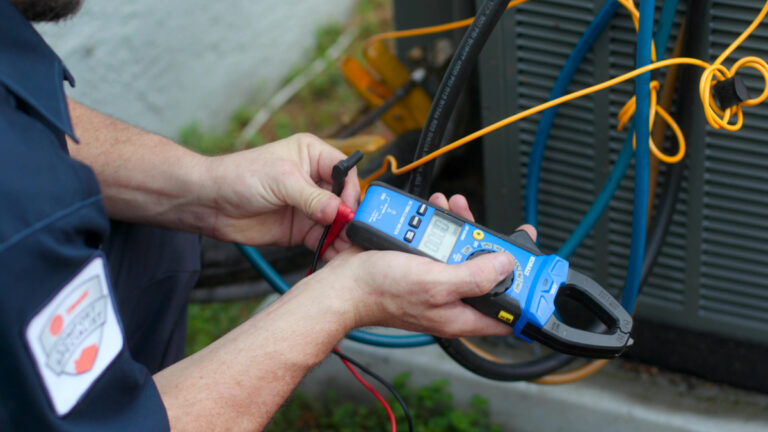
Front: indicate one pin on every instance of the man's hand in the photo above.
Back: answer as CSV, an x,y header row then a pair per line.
x,y
411,292
278,193
274,194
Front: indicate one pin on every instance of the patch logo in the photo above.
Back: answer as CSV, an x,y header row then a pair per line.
x,y
75,336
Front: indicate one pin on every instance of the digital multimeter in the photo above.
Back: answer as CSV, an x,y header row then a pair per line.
x,y
391,219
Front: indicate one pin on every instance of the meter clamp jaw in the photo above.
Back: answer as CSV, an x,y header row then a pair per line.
x,y
389,219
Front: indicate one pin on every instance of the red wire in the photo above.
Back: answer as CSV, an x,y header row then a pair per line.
x,y
373,391
343,215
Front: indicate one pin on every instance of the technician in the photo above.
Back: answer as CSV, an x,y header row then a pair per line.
x,y
90,311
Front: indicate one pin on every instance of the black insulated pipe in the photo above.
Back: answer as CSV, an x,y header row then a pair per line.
x,y
454,81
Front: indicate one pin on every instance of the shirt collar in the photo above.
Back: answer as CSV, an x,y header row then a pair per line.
x,y
31,70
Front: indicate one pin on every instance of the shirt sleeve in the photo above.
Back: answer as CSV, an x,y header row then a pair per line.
x,y
64,365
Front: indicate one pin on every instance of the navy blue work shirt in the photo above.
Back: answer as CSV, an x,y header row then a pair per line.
x,y
64,362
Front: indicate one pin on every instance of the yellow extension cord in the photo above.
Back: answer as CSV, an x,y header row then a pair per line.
x,y
713,73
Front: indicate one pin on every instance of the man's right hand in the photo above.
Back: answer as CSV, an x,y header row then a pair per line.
x,y
415,293
410,292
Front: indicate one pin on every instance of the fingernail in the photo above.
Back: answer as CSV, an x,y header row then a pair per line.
x,y
504,263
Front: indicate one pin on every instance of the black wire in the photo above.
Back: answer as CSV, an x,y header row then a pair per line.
x,y
367,371
453,83
316,258
379,111
383,382
355,362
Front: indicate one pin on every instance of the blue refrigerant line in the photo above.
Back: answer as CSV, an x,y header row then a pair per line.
x,y
570,68
605,195
642,156
281,286
548,117
601,200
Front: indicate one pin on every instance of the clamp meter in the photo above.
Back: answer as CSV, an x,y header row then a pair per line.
x,y
391,219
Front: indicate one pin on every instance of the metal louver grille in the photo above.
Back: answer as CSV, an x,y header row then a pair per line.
x,y
734,237
712,270
543,35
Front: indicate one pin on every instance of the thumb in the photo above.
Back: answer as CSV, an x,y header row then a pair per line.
x,y
315,202
484,273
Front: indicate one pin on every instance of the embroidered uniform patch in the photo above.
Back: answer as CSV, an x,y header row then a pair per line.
x,y
75,336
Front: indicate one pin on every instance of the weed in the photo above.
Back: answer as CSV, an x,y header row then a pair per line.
x,y
430,406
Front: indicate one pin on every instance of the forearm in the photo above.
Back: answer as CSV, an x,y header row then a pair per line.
x,y
144,177
238,382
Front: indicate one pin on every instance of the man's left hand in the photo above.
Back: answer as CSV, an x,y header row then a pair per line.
x,y
278,193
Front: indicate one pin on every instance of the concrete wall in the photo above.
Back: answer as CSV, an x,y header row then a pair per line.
x,y
161,64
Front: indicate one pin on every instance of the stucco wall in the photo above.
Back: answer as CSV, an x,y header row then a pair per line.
x,y
161,64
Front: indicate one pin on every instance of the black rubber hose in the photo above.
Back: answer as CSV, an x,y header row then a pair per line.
x,y
673,179
523,371
687,108
453,83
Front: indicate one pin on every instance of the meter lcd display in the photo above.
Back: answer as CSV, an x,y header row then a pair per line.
x,y
440,236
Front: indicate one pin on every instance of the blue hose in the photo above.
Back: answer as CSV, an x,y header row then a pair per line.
x,y
548,117
664,27
601,200
281,286
625,155
642,156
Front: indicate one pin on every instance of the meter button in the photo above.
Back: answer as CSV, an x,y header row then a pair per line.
x,y
409,236
477,234
467,249
422,210
415,221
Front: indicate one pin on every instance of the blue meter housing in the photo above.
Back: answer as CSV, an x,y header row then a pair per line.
x,y
390,219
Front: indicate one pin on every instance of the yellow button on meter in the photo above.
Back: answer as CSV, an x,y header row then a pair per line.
x,y
506,317
478,235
